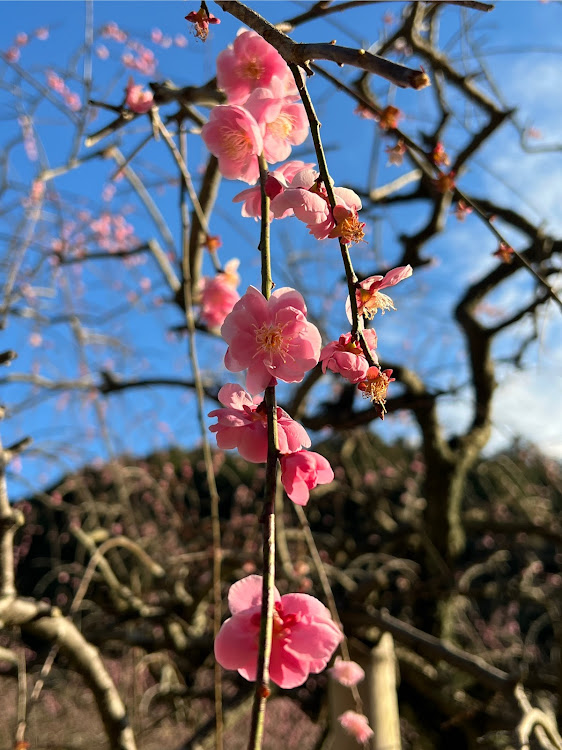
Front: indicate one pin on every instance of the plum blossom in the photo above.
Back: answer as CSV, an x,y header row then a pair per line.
x,y
308,200
346,357
375,385
136,99
219,295
201,18
396,153
272,338
347,673
440,156
235,138
369,297
388,117
248,64
301,472
445,182
505,253
462,210
242,424
277,181
282,119
357,726
304,634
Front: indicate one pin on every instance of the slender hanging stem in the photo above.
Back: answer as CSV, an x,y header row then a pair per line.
x,y
268,517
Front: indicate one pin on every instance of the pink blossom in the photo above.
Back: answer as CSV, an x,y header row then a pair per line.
x,y
272,338
201,19
302,471
396,153
21,39
72,101
156,35
13,54
282,119
243,425
180,40
304,634
276,182
248,64
235,138
347,673
55,82
308,200
219,295
357,725
42,33
136,99
369,297
346,356
102,52
375,385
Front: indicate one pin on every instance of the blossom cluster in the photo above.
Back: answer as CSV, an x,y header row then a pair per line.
x,y
264,116
272,340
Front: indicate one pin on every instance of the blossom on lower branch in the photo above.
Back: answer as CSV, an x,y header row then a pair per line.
x,y
242,424
304,634
301,471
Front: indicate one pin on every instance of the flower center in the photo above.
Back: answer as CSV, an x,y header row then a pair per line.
x,y
253,69
235,144
350,229
270,340
282,126
369,302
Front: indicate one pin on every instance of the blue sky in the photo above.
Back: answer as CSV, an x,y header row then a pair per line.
x,y
137,339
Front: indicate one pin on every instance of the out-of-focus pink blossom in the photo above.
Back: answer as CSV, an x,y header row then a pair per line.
x,y
272,338
138,100
42,33
396,153
180,40
505,253
235,138
283,120
202,18
248,64
156,35
55,82
242,424
462,210
440,156
219,295
388,117
369,297
347,673
304,634
102,52
72,101
301,472
346,356
276,182
357,726
13,54
112,31
364,112
21,39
